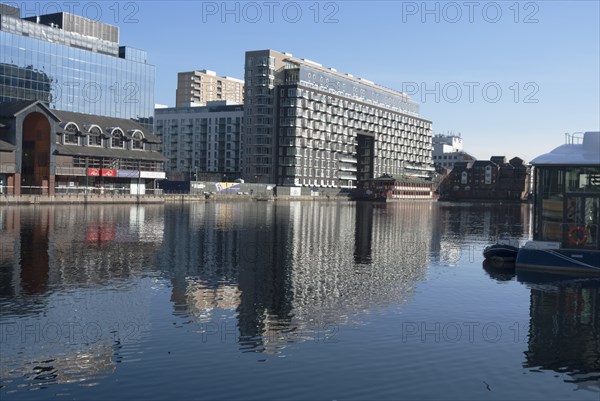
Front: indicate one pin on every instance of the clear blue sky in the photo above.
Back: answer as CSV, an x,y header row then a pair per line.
x,y
510,76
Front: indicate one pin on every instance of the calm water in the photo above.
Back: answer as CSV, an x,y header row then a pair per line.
x,y
291,300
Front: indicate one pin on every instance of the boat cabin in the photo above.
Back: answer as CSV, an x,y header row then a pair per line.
x,y
567,193
388,188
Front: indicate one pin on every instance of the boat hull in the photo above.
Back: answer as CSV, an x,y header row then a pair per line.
x,y
563,261
505,253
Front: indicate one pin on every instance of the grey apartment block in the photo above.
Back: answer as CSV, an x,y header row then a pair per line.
x,y
202,139
306,125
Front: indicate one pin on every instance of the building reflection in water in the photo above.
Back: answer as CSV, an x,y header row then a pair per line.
x,y
456,225
286,270
564,330
363,236
68,301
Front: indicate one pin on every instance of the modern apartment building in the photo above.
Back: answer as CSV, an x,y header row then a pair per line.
x,y
196,88
72,63
199,140
311,126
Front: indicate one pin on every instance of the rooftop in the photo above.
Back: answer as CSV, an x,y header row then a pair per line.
x,y
580,150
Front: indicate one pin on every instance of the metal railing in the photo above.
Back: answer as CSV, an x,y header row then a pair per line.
x,y
575,138
62,190
6,189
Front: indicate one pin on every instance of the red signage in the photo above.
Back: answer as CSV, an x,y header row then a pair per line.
x,y
93,172
109,173
101,232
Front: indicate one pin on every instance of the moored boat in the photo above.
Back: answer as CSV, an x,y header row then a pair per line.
x,y
566,236
501,252
388,188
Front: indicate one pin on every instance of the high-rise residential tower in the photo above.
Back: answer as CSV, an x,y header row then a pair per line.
x,y
196,88
311,126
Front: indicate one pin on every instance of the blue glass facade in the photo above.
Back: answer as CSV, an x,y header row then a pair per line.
x,y
72,72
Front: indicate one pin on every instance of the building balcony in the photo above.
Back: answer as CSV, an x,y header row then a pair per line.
x,y
346,159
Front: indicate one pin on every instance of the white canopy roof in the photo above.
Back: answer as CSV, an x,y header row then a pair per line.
x,y
586,153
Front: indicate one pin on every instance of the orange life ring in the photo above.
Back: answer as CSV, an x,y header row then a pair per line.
x,y
578,236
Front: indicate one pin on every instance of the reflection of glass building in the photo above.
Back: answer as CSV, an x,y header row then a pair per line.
x,y
24,83
73,64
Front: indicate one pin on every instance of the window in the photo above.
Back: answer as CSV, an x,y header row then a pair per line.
x,y
117,138
95,138
70,134
136,141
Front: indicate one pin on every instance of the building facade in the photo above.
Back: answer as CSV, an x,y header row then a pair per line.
x,y
201,142
196,88
73,64
494,179
448,150
47,152
310,126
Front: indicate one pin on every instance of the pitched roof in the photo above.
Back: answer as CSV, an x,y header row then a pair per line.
x,y
479,163
83,120
75,150
6,147
11,109
462,165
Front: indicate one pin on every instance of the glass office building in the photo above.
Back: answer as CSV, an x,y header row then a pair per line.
x,y
73,64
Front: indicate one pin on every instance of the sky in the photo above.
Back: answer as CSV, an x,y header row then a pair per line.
x,y
511,77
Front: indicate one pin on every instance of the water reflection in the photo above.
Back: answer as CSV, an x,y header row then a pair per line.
x,y
499,270
463,230
67,304
564,329
292,270
363,232
251,281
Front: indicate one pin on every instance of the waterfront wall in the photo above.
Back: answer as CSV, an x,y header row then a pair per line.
x,y
79,199
323,194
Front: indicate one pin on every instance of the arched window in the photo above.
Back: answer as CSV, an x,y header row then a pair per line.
x,y
137,138
95,136
117,138
70,134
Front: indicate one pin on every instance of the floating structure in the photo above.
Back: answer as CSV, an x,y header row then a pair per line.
x,y
566,209
389,188
503,252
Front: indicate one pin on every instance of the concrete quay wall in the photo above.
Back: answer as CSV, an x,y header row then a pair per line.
x,y
6,200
